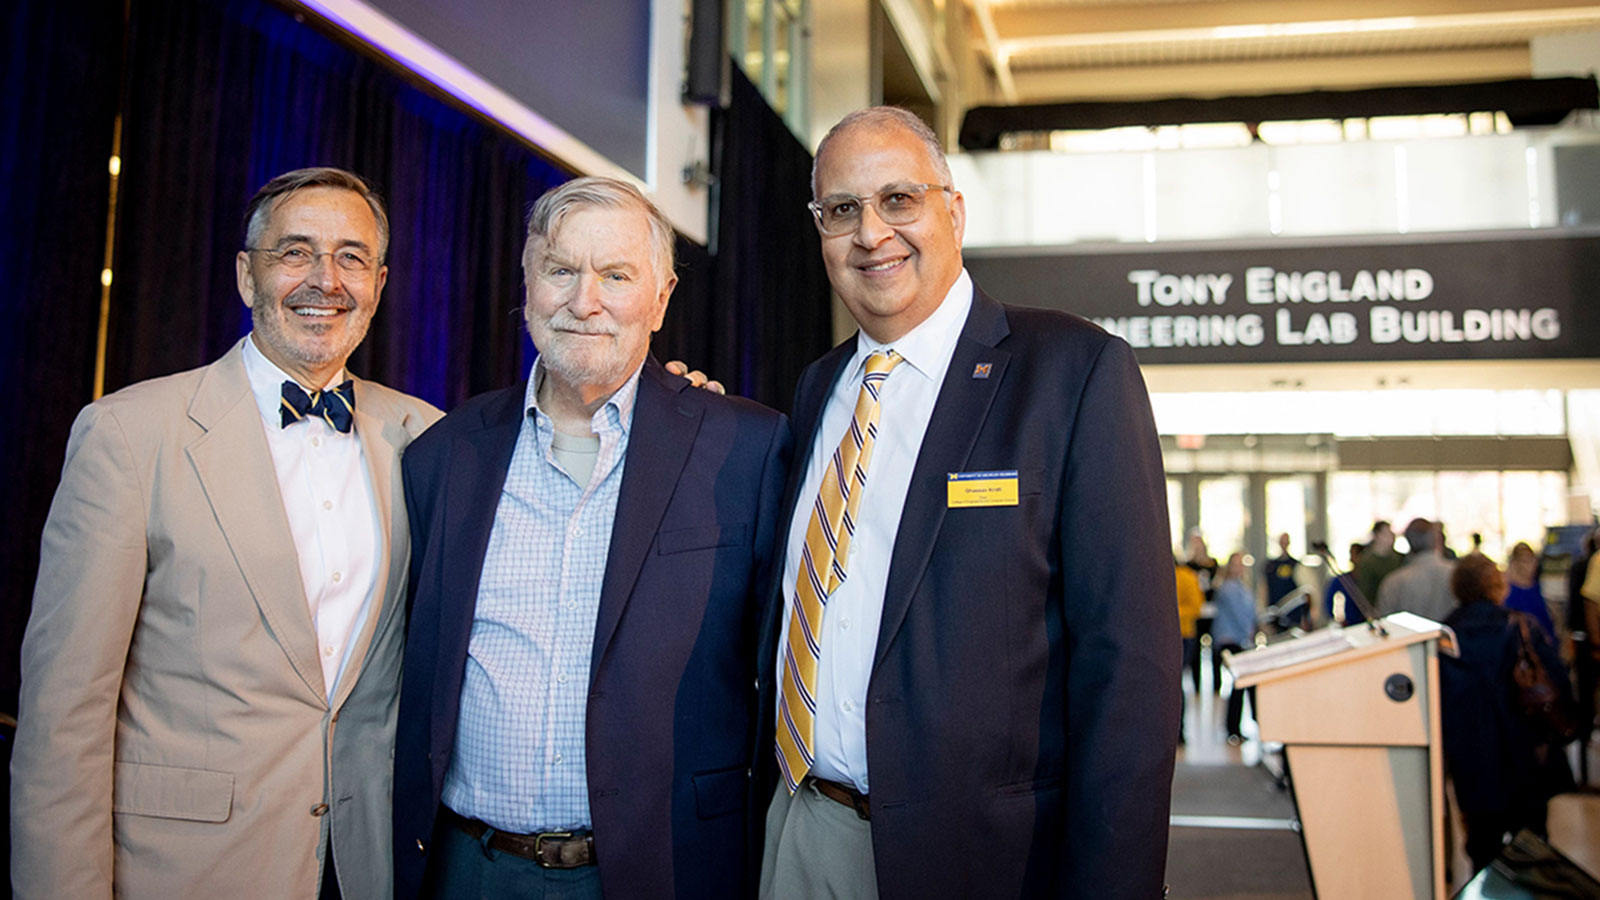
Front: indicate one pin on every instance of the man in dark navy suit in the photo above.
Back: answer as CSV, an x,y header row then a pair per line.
x,y
576,714
970,683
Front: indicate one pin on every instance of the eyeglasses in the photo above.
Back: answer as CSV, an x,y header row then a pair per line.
x,y
298,258
898,204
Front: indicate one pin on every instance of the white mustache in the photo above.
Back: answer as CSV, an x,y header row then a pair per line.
x,y
564,321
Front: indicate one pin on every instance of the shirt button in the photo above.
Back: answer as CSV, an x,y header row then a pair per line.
x,y
316,442
328,650
327,504
570,605
561,678
558,759
848,706
844,624
338,576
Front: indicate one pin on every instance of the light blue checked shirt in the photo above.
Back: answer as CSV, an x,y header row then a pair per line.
x,y
520,761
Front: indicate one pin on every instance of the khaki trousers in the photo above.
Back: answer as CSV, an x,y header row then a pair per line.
x,y
816,849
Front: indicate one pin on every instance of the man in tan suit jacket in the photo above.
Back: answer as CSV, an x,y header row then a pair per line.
x,y
210,672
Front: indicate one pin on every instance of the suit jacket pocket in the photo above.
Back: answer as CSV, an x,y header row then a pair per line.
x,y
681,540
171,792
1030,788
721,792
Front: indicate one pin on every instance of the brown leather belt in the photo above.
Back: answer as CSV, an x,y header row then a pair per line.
x,y
846,795
551,849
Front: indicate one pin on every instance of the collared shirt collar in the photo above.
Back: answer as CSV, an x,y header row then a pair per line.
x,y
266,381
616,412
926,347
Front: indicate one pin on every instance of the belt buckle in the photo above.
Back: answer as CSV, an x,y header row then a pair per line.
x,y
538,849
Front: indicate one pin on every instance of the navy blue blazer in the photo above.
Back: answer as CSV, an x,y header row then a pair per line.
x,y
1022,713
671,705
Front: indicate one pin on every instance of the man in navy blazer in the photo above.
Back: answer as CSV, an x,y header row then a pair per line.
x,y
995,698
578,709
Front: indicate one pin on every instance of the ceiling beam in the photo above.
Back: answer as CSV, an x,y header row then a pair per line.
x,y
1271,75
1014,23
1304,38
999,60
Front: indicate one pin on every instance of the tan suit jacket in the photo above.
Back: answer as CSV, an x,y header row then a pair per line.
x,y
175,739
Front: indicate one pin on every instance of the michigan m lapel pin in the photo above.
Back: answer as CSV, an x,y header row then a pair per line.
x,y
981,370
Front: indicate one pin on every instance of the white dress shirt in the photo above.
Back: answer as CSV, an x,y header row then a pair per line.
x,y
851,617
327,496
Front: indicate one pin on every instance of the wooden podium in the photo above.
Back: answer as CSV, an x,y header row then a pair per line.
x,y
1357,711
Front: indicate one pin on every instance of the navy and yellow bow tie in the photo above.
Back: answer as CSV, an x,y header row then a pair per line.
x,y
336,406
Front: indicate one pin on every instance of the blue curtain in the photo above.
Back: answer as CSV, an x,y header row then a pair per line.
x,y
222,97
58,104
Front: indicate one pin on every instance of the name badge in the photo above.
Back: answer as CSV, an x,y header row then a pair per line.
x,y
982,489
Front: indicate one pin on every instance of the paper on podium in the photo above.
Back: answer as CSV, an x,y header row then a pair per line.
x,y
1401,626
1315,645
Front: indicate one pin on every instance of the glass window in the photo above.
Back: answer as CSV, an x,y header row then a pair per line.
x,y
1363,413
768,39
1503,507
1224,513
1350,510
1468,503
1529,502
1287,499
1175,514
1403,496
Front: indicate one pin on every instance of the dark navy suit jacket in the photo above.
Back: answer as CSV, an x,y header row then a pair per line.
x,y
1022,713
671,705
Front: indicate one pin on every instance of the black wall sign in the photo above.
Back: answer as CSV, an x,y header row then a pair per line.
x,y
1510,297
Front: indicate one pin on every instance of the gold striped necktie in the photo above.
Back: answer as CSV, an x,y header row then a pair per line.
x,y
822,570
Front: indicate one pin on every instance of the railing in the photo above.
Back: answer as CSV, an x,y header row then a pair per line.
x,y
1529,178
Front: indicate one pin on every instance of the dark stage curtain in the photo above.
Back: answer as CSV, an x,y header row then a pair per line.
x,y
224,96
755,313
57,110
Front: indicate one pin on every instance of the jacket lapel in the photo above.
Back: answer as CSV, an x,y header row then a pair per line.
x,y
236,471
665,422
809,402
479,461
958,415
383,434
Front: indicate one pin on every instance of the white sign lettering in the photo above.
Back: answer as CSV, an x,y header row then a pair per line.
x,y
1387,323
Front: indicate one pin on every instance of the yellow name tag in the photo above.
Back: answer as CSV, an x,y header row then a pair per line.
x,y
982,489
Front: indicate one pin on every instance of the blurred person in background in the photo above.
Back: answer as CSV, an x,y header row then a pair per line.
x,y
1234,629
1504,765
1278,581
1338,601
1204,566
1522,578
1583,622
1190,599
1378,559
1422,585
